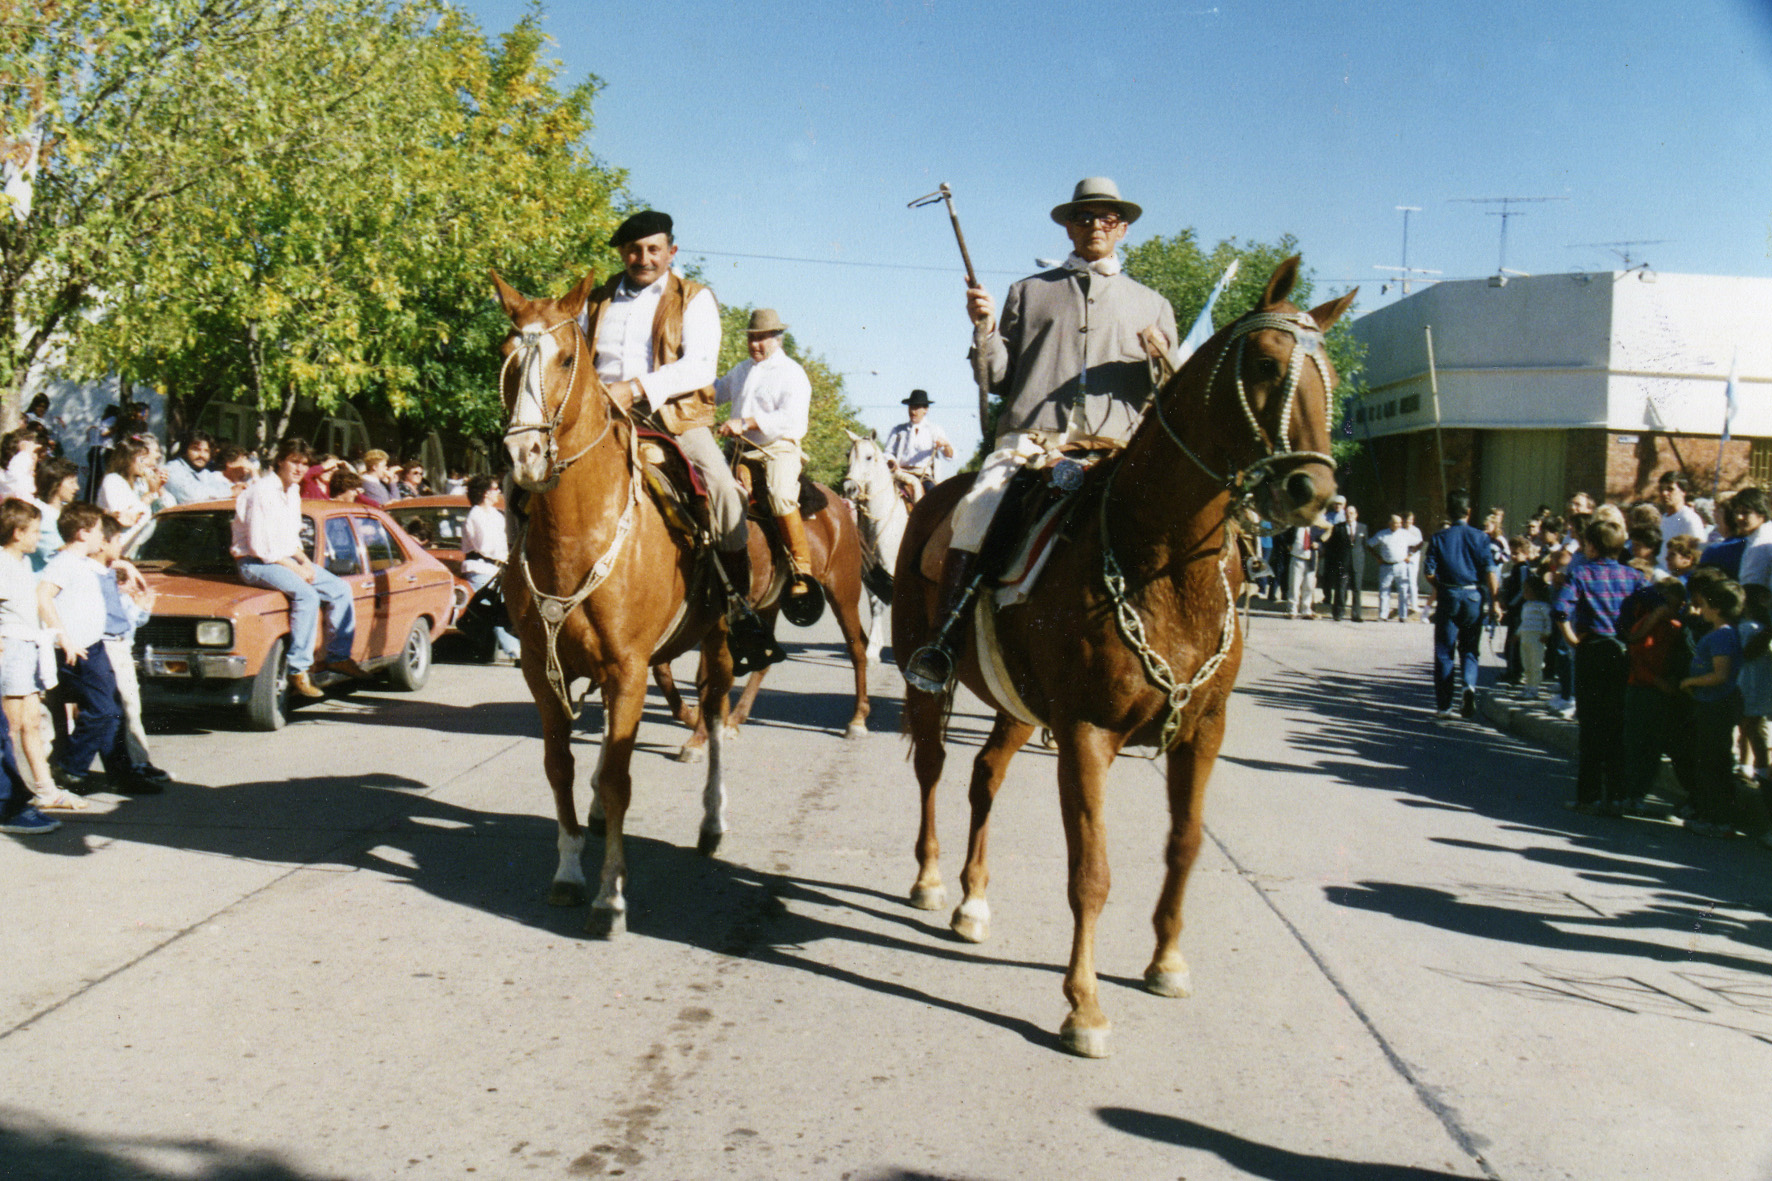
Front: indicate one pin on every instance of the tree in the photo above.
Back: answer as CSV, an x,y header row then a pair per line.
x,y
1183,273
825,444
357,269
127,118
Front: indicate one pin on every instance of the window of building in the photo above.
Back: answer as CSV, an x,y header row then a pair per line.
x,y
1410,404
1759,463
1390,409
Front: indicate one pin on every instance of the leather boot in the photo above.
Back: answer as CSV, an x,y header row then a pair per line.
x,y
753,648
931,667
304,686
793,528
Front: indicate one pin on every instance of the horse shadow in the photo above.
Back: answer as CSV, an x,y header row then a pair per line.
x,y
32,1147
1252,1157
1360,730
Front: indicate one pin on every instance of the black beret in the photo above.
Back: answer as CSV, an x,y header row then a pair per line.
x,y
641,225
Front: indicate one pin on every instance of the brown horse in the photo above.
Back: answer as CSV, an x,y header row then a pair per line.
x,y
1130,636
597,584
835,542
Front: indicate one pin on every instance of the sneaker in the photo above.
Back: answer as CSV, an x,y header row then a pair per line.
x,y
1558,703
1468,706
149,771
1445,715
28,822
1531,695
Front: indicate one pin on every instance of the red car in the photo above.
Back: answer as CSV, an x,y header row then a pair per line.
x,y
215,641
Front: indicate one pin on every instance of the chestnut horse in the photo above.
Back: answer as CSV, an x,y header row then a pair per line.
x,y
597,585
881,513
1130,636
836,567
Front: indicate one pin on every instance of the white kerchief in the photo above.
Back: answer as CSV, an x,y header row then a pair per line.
x,y
1102,266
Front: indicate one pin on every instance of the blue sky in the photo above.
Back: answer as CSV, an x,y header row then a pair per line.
x,y
801,131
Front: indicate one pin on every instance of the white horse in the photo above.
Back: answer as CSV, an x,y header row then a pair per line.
x,y
882,516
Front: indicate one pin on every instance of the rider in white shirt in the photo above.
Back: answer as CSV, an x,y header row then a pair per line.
x,y
771,399
912,447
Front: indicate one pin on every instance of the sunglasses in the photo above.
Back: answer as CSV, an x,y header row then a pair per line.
x,y
1106,221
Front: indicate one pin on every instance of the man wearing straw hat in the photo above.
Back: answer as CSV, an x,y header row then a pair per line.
x,y
1071,359
912,447
771,399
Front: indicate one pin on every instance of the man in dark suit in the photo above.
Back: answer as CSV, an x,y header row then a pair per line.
x,y
1344,561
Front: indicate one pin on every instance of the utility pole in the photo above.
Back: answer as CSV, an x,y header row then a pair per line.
x,y
1506,211
1405,271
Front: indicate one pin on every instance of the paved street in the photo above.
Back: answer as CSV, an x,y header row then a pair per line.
x,y
328,955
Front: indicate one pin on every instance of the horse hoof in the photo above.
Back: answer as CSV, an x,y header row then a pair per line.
x,y
598,827
691,754
856,730
566,894
972,922
604,923
708,843
929,897
1169,983
730,734
1086,1043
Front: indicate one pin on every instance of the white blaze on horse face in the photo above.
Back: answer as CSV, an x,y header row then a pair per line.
x,y
537,351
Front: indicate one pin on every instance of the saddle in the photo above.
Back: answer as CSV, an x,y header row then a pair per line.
x,y
674,484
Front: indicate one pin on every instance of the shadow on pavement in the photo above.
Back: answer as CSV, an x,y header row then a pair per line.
x,y
1354,730
33,1150
1254,1158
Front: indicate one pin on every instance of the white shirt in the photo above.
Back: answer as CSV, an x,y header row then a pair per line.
x,y
775,391
1392,545
79,599
1682,522
117,495
483,533
18,598
20,477
1756,559
624,342
267,520
912,446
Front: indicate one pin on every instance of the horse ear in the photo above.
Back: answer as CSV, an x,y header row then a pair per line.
x,y
1279,286
853,437
574,302
1332,311
507,295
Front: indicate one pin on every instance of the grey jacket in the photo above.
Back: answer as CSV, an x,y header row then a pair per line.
x,y
1056,347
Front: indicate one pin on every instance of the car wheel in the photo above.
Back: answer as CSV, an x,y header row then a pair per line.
x,y
413,669
268,708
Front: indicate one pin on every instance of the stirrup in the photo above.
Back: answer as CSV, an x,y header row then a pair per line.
x,y
753,649
930,668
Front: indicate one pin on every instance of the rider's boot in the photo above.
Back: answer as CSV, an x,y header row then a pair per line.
x,y
931,667
753,648
793,529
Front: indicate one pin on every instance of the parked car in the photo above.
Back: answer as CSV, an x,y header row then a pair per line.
x,y
214,641
439,522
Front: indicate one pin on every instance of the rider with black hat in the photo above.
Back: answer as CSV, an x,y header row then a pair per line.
x,y
912,447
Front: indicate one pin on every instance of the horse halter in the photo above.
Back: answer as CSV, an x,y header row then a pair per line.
x,y
528,356
1307,341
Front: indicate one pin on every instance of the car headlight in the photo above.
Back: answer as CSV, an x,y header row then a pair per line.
x,y
215,633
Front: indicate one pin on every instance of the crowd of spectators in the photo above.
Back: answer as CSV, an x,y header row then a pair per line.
x,y
70,603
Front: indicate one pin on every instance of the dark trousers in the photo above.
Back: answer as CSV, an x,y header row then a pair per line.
x,y
1655,723
90,684
1458,629
1344,589
1713,758
1601,667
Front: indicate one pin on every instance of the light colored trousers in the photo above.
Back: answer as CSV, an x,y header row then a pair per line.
x,y
1532,658
1395,576
129,692
782,464
1302,582
972,516
304,609
725,498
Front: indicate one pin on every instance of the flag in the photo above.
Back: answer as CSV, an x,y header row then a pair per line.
x,y
1201,332
1729,396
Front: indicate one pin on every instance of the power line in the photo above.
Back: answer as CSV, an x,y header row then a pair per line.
x,y
842,262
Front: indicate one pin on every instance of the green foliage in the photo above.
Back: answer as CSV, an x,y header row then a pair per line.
x,y
1183,273
283,198
825,444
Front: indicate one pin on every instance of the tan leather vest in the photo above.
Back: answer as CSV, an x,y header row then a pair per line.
x,y
685,411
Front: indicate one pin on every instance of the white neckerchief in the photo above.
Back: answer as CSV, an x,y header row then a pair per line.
x,y
1102,266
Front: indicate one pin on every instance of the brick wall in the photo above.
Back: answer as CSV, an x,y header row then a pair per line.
x,y
1632,468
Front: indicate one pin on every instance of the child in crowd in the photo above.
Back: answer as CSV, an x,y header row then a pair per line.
x,y
1716,706
27,666
1588,609
1681,557
1645,548
1656,716
1533,629
1755,679
1512,597
126,608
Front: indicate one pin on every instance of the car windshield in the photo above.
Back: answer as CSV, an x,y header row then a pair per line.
x,y
195,543
434,526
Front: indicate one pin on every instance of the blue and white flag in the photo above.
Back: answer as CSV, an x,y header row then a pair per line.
x,y
1729,396
1202,330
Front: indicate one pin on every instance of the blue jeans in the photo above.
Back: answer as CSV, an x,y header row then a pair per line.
x,y
1458,627
304,609
507,643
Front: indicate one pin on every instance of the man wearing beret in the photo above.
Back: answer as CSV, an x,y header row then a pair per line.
x,y
656,342
912,446
771,399
1071,359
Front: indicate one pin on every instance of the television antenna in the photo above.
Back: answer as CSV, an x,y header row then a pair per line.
x,y
1506,211
1621,249
1404,271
